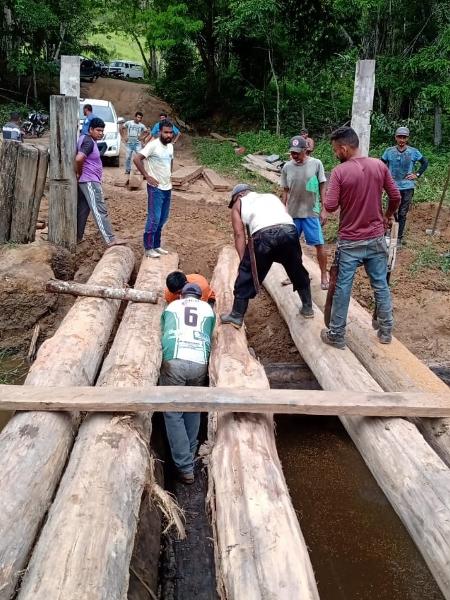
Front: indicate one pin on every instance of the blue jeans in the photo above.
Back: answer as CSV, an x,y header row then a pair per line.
x,y
373,255
157,216
131,147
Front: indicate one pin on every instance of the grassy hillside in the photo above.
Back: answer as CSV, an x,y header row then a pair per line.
x,y
118,46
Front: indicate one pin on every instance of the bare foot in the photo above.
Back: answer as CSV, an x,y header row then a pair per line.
x,y
117,242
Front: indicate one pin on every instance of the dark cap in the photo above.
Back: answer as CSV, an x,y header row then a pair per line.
x,y
298,144
191,289
240,187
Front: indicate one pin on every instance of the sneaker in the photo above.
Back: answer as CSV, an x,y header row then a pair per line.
x,y
384,337
329,338
161,251
152,253
187,478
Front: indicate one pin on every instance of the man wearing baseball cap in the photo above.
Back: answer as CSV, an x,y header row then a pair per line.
x,y
400,160
187,325
303,182
272,237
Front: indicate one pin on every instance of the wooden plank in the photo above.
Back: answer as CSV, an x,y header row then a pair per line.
x,y
186,174
108,469
363,102
8,160
24,194
215,181
74,288
393,366
135,181
69,76
62,209
260,162
260,550
41,177
34,446
273,177
411,474
308,402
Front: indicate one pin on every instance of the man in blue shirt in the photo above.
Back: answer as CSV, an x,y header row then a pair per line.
x,y
156,127
88,116
401,160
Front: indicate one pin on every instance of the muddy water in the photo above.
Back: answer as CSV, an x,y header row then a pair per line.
x,y
358,546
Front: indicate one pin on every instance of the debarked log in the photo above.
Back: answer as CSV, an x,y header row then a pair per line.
x,y
413,477
95,513
260,550
74,288
34,446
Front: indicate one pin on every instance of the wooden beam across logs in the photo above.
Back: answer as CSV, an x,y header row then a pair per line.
x,y
108,469
413,477
260,550
34,445
73,288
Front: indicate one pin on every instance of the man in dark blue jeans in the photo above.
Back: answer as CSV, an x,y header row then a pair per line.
x,y
355,188
159,161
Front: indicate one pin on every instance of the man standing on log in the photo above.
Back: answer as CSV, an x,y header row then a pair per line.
x,y
176,281
400,160
272,237
303,182
89,174
159,158
356,187
187,325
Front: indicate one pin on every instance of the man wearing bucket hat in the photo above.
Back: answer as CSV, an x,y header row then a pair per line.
x,y
272,237
303,182
187,325
400,160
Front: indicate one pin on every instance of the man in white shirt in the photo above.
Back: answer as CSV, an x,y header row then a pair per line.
x,y
155,163
272,237
186,325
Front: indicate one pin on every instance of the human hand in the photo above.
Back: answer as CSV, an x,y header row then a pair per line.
x,y
387,222
411,176
323,217
151,181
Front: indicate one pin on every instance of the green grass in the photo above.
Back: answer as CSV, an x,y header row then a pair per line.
x,y
118,46
429,257
12,368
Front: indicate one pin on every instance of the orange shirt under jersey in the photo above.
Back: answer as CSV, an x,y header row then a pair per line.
x,y
207,292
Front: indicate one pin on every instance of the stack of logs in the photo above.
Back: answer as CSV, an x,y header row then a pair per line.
x,y
23,171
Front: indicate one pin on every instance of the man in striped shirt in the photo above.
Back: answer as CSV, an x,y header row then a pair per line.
x,y
12,130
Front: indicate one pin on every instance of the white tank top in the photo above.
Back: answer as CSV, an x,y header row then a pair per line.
x,y
263,210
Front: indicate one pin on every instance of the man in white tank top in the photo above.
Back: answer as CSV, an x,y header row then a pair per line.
x,y
275,239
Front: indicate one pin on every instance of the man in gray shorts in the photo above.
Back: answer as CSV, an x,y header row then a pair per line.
x,y
89,174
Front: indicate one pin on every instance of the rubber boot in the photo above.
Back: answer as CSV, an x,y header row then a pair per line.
x,y
236,316
307,309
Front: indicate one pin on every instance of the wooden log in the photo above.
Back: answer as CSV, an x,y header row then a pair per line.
x,y
413,477
8,160
363,102
39,186
393,366
186,174
215,181
24,194
273,177
135,181
260,162
308,402
74,288
260,550
34,446
69,76
62,209
95,512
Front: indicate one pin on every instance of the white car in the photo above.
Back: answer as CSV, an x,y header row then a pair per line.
x,y
128,70
103,109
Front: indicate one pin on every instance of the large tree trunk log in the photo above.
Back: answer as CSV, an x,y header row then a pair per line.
x,y
106,474
8,161
34,446
413,477
74,288
260,549
393,366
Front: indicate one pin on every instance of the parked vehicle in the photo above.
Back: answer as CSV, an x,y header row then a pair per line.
x,y
89,69
109,145
36,124
128,70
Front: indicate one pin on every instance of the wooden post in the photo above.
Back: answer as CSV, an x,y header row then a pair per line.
x,y
24,193
413,477
69,76
34,446
363,102
8,161
62,210
108,469
39,186
260,550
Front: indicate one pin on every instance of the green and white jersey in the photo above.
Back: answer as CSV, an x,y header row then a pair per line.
x,y
187,325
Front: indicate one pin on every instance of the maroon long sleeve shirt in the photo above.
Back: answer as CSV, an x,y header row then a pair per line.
x,y
356,187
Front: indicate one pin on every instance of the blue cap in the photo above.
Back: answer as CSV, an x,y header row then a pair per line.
x,y
240,187
191,289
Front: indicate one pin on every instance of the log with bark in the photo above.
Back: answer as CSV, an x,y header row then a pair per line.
x,y
34,446
95,512
9,150
393,366
413,477
74,288
260,550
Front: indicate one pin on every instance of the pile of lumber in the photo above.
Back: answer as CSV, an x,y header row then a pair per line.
x,y
182,177
257,164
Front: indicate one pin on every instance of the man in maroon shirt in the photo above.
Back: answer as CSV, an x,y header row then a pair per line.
x,y
356,187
